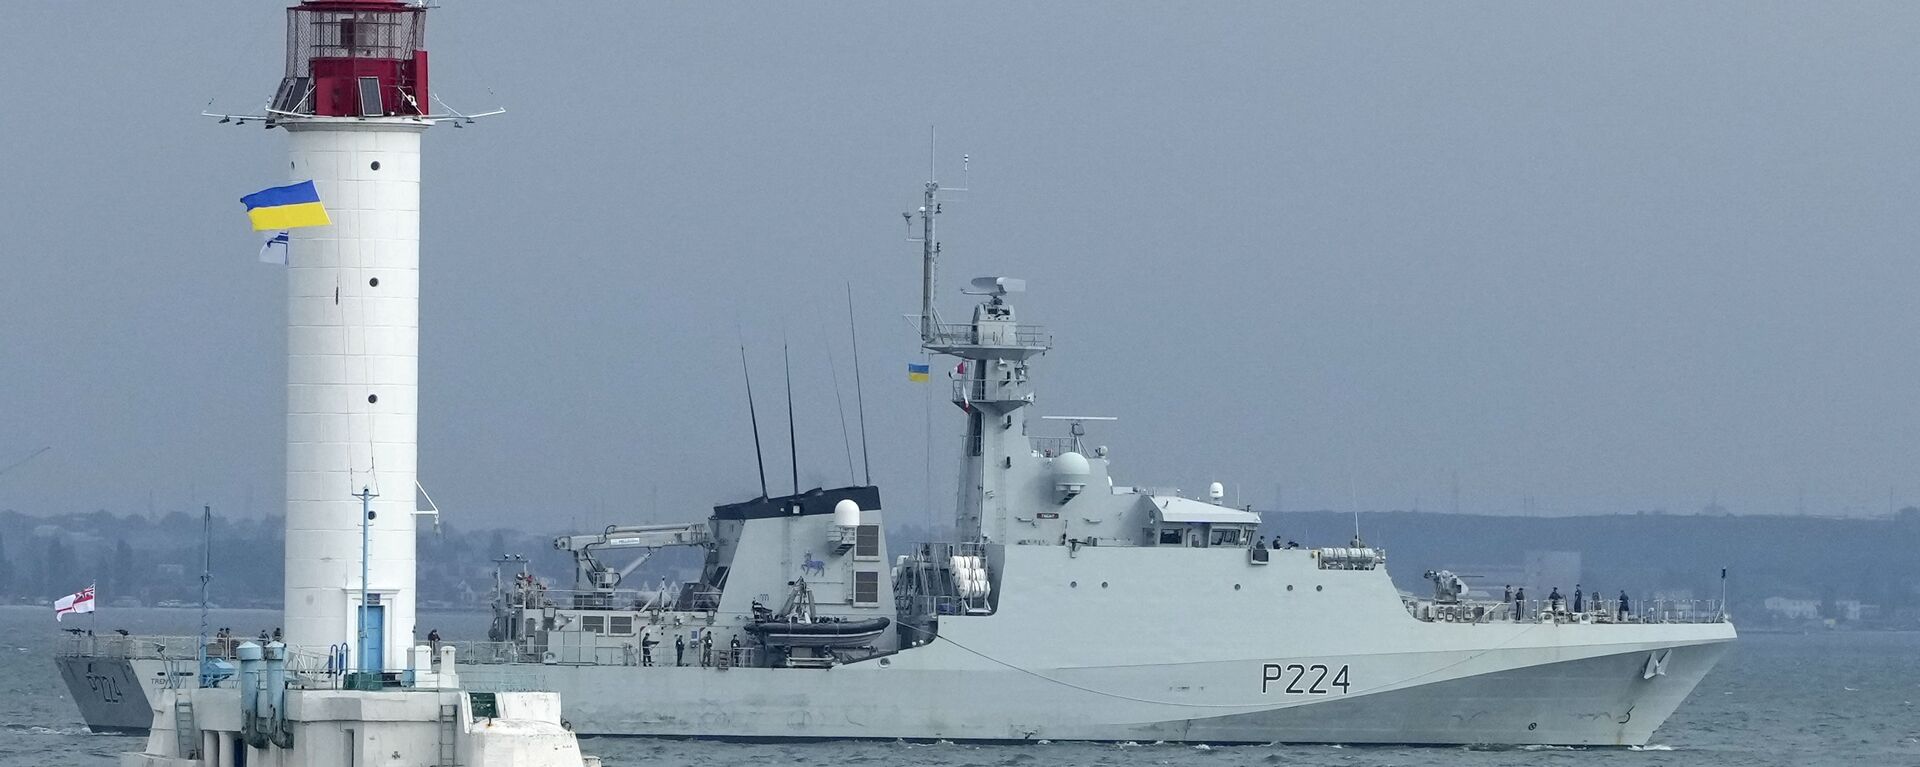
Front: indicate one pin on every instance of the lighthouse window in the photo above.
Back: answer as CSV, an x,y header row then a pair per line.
x,y
866,588
866,542
370,105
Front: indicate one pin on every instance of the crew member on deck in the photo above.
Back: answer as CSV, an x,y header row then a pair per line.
x,y
1520,603
1625,608
679,650
646,648
1554,599
1579,599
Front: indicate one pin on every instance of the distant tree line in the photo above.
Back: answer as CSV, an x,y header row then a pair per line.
x,y
157,558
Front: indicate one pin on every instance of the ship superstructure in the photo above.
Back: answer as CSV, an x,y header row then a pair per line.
x,y
1070,606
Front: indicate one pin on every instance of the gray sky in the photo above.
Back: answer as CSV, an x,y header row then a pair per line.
x,y
1609,258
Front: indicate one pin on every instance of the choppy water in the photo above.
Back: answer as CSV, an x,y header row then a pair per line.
x,y
1820,699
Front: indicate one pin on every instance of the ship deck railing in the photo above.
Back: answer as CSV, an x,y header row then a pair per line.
x,y
949,334
166,647
1592,611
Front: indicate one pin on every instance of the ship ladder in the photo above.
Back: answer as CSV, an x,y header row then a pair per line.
x,y
449,722
183,730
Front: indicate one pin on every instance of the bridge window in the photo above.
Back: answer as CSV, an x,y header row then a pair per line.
x,y
621,625
866,588
593,623
1171,535
866,543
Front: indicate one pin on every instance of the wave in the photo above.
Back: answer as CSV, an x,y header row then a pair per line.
x,y
38,729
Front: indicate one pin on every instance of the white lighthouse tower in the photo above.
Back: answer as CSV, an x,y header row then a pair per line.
x,y
353,103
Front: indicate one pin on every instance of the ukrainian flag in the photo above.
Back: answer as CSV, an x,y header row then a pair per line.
x,y
917,372
286,207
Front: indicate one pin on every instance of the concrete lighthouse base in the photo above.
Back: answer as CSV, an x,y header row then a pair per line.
x,y
433,722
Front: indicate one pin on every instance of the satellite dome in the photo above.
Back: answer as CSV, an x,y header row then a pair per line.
x,y
846,513
1070,472
1216,491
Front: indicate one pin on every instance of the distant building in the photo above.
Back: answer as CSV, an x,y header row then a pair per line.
x,y
1853,610
1789,608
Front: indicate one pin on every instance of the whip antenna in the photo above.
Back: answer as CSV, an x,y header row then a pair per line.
x,y
793,445
859,394
754,416
846,442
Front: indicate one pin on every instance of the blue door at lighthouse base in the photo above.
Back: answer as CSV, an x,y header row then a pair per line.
x,y
374,618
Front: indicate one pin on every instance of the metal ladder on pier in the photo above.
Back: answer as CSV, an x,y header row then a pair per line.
x,y
449,724
183,728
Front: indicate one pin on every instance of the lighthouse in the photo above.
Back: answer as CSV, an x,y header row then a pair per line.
x,y
354,104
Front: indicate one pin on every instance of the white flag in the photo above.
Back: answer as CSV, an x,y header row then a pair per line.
x,y
274,250
81,602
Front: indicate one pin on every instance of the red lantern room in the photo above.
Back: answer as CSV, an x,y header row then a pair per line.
x,y
355,58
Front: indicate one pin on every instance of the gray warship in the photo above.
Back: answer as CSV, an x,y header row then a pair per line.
x,y
1069,607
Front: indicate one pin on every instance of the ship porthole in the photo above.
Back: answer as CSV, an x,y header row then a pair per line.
x,y
886,661
1103,584
1289,587
1319,588
1533,725
1073,584
375,165
1236,587
372,398
374,282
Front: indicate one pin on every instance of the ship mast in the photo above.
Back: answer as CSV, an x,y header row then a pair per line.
x,y
929,249
994,402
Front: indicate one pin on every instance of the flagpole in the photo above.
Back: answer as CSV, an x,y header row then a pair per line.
x,y
366,496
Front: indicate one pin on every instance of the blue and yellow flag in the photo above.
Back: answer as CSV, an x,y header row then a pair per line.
x,y
286,207
917,372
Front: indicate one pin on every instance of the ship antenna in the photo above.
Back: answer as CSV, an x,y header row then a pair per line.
x,y
859,395
793,445
754,417
846,441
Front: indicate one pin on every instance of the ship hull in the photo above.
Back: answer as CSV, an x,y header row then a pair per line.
x,y
114,695
1600,700
1186,645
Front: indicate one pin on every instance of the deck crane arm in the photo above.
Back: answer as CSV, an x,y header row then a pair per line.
x,y
590,571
